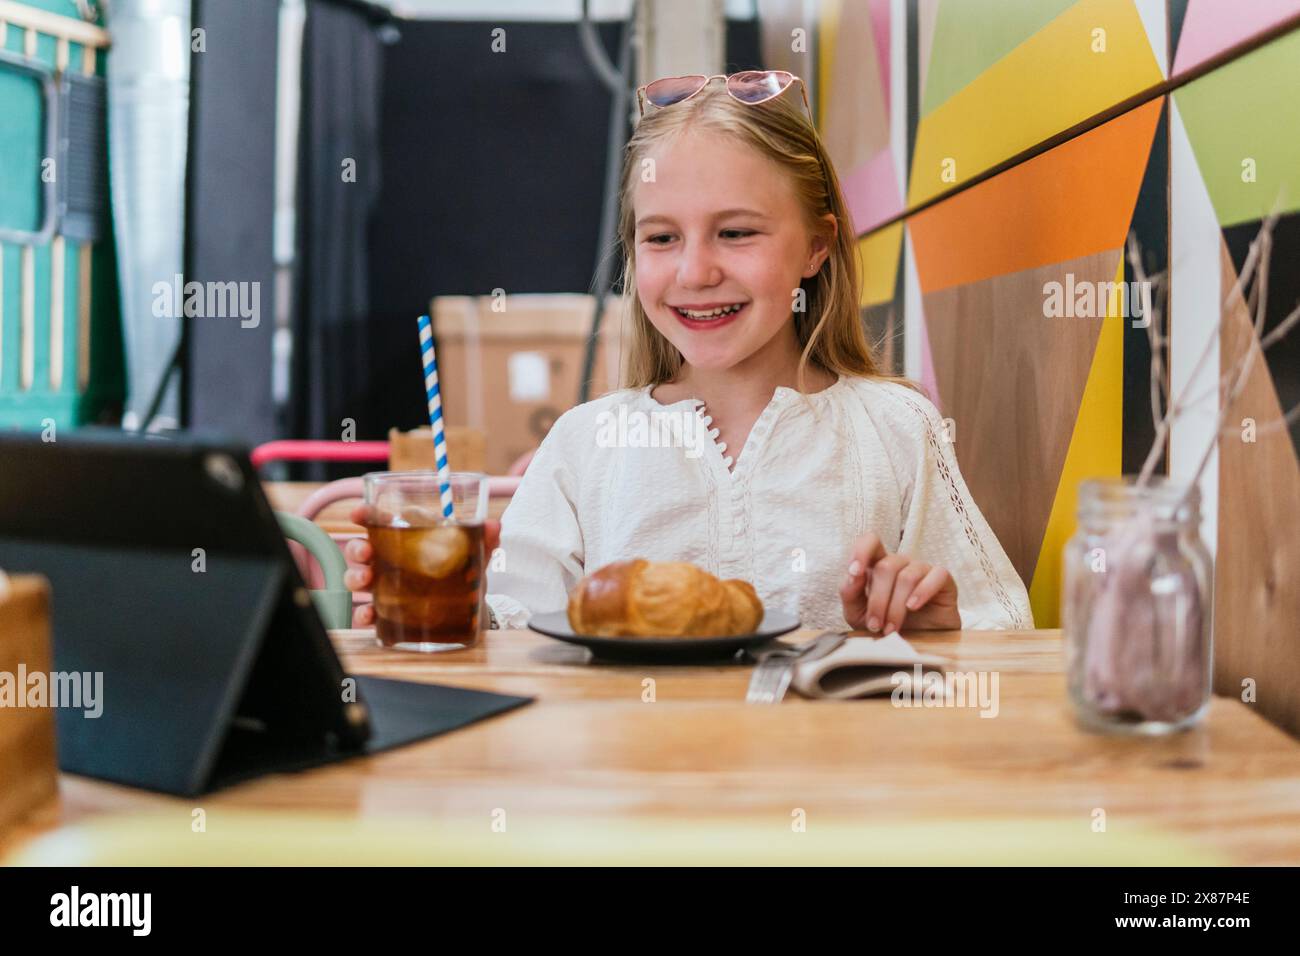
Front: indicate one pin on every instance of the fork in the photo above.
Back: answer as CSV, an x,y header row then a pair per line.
x,y
776,666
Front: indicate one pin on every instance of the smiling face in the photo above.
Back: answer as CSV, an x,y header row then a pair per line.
x,y
721,245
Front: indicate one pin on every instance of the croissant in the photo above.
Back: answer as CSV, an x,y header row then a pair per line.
x,y
640,598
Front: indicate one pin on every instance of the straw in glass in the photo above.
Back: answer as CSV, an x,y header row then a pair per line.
x,y
435,414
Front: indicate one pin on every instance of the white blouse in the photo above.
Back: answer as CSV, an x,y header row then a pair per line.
x,y
626,476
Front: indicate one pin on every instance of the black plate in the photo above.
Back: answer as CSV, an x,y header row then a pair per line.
x,y
663,649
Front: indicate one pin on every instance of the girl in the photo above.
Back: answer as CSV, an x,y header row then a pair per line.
x,y
823,481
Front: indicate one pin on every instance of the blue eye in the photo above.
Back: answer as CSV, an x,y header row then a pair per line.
x,y
725,233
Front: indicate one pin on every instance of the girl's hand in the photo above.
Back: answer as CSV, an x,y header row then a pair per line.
x,y
896,591
361,573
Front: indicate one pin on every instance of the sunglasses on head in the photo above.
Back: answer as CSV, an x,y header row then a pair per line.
x,y
750,87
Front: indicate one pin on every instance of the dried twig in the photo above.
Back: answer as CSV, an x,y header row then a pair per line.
x,y
1243,364
1256,258
1278,333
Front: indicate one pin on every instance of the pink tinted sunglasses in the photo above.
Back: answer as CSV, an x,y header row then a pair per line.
x,y
750,87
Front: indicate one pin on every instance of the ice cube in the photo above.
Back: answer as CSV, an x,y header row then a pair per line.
x,y
417,516
439,552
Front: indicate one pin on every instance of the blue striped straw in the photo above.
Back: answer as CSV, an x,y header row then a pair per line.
x,y
435,414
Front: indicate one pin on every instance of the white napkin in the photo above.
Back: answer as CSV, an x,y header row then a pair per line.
x,y
864,667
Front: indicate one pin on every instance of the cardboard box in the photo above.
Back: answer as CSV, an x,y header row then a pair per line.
x,y
510,373
28,764
413,450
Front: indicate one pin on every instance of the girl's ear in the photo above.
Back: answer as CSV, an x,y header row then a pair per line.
x,y
820,247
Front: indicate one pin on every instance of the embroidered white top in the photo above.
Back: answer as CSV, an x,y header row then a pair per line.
x,y
626,476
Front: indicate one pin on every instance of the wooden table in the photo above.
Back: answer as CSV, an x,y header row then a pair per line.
x,y
598,746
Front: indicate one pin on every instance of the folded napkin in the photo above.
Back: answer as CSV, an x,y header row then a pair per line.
x,y
863,667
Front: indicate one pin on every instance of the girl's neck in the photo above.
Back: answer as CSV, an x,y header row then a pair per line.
x,y
742,388
736,397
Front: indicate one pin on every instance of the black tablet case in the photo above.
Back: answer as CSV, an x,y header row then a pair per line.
x,y
209,677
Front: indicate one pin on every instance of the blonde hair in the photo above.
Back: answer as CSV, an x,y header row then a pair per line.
x,y
829,329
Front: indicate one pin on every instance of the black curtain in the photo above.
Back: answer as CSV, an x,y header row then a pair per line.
x,y
493,163
339,172
229,216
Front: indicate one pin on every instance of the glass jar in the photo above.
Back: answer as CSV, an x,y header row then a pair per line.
x,y
1136,607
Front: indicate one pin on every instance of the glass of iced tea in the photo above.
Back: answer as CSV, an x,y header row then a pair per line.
x,y
428,569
